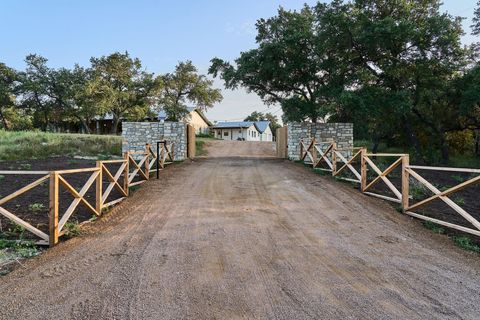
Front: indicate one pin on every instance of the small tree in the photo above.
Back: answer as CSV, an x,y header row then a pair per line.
x,y
183,86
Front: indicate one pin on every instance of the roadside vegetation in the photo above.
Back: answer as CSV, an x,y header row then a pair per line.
x,y
200,141
25,145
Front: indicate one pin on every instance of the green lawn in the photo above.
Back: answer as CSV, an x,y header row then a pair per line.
x,y
24,145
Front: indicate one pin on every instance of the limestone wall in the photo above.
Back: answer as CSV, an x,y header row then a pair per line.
x,y
342,133
136,134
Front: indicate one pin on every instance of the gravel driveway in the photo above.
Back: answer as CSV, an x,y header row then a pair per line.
x,y
242,235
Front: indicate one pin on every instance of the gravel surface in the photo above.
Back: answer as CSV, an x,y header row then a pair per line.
x,y
242,235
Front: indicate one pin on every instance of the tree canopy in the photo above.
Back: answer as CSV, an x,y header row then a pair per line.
x,y
185,86
391,67
115,85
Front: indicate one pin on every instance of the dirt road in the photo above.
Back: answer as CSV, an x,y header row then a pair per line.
x,y
242,235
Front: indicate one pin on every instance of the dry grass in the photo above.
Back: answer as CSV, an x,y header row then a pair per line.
x,y
24,145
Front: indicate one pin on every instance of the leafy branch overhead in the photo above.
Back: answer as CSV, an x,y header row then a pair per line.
x,y
397,69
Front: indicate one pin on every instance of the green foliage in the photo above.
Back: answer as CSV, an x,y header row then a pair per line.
x,y
292,65
24,145
35,207
72,229
434,227
205,135
183,86
417,190
466,243
397,69
476,20
121,87
200,148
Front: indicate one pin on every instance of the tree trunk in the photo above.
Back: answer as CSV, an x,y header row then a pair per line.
x,y
477,142
116,121
413,139
444,148
45,117
84,123
376,144
5,122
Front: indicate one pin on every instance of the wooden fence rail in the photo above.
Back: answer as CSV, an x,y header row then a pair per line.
x,y
312,154
120,179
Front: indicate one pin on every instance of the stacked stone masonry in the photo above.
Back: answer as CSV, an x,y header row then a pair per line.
x,y
342,133
136,134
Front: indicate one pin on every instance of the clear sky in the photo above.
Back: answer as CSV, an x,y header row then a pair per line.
x,y
160,33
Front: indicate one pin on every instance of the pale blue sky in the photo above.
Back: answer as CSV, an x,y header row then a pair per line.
x,y
160,33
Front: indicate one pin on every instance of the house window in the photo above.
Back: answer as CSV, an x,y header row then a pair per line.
x,y
239,131
225,133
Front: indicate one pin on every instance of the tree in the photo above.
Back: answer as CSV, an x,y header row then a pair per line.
x,y
408,52
74,92
290,66
8,79
121,87
184,86
259,116
476,20
35,89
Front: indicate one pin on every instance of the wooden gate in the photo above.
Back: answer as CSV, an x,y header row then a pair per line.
x,y
282,142
191,149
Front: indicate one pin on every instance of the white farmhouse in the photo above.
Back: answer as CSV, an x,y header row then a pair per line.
x,y
245,131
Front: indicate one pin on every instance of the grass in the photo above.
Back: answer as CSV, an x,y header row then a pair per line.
x,y
36,207
24,145
200,144
432,226
200,148
465,242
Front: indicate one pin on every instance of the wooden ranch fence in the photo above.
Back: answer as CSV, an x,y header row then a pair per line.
x,y
338,161
121,179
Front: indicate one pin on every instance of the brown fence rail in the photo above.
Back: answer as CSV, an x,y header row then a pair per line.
x,y
119,178
340,161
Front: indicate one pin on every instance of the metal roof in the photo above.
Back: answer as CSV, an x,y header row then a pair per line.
x,y
260,125
237,124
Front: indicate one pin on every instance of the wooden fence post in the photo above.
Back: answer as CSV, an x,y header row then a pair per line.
x,y
126,172
405,182
147,161
162,155
334,158
53,214
301,149
363,169
99,188
314,153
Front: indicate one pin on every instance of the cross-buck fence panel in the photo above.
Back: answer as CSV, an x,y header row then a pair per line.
x,y
121,175
361,165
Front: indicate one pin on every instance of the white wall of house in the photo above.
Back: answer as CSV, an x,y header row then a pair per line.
x,y
267,135
249,134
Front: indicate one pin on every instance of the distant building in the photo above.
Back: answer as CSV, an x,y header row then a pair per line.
x,y
244,130
196,118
